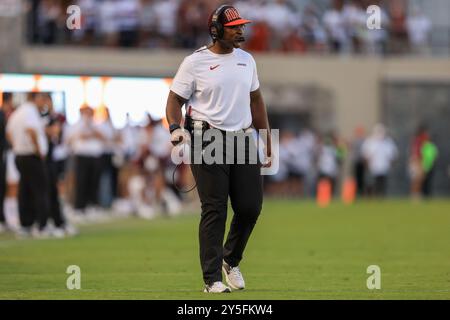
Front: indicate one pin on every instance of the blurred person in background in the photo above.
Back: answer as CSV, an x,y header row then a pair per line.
x,y
86,143
430,154
334,22
312,31
89,22
166,21
379,152
283,21
108,171
108,24
147,22
156,150
11,175
32,21
127,19
294,162
306,143
355,20
419,31
54,124
6,99
415,161
26,132
125,150
191,25
358,161
44,21
300,152
398,38
422,158
328,161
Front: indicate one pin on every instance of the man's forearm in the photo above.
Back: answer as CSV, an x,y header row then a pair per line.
x,y
259,113
173,108
259,117
260,120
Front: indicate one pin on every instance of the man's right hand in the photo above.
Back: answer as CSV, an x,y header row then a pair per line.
x,y
180,136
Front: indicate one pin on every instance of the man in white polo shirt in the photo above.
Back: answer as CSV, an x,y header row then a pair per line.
x,y
220,88
26,132
87,144
379,151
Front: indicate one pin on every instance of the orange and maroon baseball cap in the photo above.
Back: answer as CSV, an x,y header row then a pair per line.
x,y
231,17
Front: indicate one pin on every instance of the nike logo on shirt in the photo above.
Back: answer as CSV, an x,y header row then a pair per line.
x,y
212,68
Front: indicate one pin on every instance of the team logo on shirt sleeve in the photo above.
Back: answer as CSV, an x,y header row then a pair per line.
x,y
213,67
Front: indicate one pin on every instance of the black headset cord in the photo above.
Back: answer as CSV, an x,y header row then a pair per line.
x,y
175,185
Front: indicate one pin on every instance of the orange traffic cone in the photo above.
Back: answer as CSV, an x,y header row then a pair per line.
x,y
323,193
349,191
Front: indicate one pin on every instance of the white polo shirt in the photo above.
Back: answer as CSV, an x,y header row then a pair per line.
x,y
27,117
379,153
88,147
217,87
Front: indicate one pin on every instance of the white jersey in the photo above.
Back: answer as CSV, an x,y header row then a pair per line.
x,y
217,87
379,153
27,117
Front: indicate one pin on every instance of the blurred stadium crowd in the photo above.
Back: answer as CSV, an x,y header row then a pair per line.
x,y
302,26
94,171
308,158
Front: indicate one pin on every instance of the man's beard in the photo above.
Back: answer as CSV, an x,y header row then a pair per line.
x,y
238,41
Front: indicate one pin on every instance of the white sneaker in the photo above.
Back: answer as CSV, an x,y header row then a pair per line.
x,y
70,230
217,287
23,233
58,233
233,277
40,234
97,215
77,217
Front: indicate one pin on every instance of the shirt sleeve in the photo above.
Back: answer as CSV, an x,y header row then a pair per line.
x,y
32,121
184,82
255,80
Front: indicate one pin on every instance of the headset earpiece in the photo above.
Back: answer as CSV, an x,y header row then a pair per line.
x,y
216,30
213,32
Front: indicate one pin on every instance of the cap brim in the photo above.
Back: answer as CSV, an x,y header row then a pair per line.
x,y
237,22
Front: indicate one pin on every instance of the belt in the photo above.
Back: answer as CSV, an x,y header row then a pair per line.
x,y
204,125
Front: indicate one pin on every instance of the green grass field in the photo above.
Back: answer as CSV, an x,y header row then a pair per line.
x,y
297,251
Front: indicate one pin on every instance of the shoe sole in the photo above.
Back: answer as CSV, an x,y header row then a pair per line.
x,y
229,282
225,291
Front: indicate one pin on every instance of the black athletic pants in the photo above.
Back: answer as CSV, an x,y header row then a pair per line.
x,y
427,183
380,185
358,172
242,183
54,204
33,191
87,178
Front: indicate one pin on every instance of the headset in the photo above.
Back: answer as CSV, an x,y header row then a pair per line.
x,y
216,29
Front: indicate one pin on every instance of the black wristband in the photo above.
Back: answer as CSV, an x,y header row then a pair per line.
x,y
174,127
